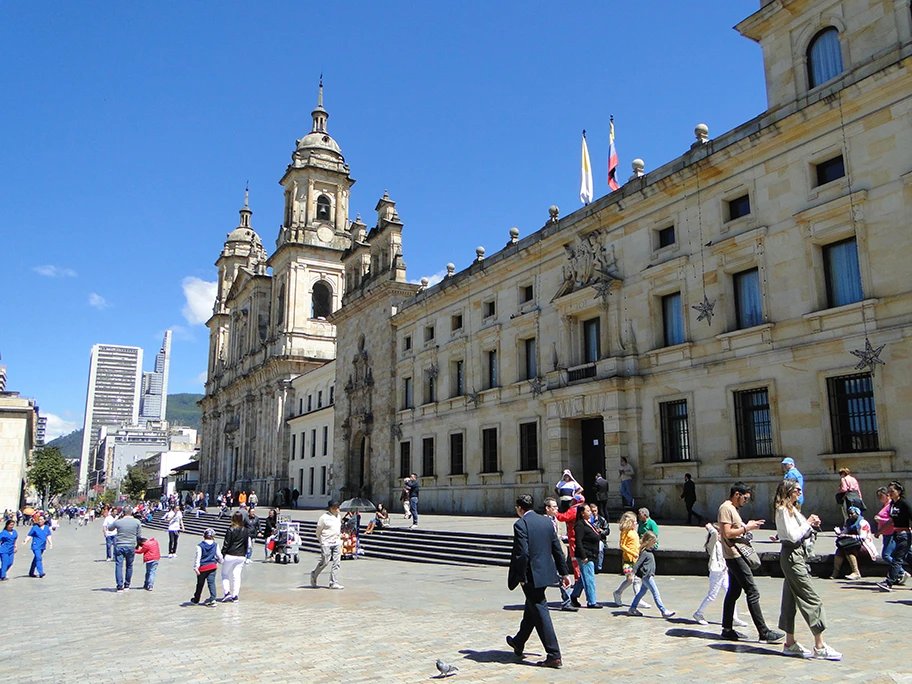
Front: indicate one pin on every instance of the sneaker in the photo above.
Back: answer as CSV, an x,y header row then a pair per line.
x,y
738,623
235,599
119,590
412,527
336,586
633,612
575,602
148,588
617,598
126,588
645,604
732,635
248,562
668,614
902,580
313,581
853,576
883,586
227,598
194,600
774,636
796,650
210,602
827,653
700,619
569,609
594,605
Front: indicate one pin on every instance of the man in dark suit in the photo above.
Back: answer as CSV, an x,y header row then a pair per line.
x,y
537,558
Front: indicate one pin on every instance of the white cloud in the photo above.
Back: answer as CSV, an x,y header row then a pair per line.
x,y
202,377
52,271
432,279
200,299
58,427
98,301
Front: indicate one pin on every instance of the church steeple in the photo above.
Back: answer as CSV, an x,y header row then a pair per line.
x,y
319,114
245,210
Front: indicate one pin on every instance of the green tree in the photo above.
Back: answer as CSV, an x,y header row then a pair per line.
x,y
135,483
50,474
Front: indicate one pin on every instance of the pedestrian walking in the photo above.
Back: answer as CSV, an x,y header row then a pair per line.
x,y
645,569
741,578
413,486
329,534
175,520
601,495
718,575
129,530
885,527
689,494
567,490
790,472
647,524
40,534
849,493
537,562
551,512
269,528
901,517
253,500
8,538
798,592
626,473
234,551
586,552
151,554
253,529
109,535
206,562
630,554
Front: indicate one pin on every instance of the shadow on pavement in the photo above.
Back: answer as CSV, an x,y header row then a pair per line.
x,y
494,656
744,648
692,634
517,606
110,590
904,602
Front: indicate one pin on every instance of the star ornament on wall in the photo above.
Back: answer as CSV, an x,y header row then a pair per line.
x,y
870,357
706,309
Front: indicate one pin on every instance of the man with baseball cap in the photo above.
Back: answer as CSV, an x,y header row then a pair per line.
x,y
790,472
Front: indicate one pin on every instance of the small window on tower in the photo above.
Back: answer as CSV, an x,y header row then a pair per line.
x,y
324,207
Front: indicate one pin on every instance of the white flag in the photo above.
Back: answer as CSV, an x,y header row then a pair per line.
x,y
585,175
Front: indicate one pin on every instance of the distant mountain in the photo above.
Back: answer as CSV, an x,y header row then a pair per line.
x,y
182,410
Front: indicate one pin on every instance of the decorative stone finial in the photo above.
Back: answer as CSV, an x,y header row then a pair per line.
x,y
424,282
450,269
553,212
702,133
637,165
479,253
514,235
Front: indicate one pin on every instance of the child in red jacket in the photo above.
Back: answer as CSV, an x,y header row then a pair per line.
x,y
151,555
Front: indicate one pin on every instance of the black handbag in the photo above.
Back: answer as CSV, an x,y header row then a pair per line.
x,y
847,542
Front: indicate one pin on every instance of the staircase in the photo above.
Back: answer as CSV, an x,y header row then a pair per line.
x,y
400,544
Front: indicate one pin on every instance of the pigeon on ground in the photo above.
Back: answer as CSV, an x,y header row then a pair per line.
x,y
446,670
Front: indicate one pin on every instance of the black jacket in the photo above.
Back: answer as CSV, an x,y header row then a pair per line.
x,y
587,541
690,492
236,540
537,554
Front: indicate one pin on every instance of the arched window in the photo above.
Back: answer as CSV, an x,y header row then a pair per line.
x,y
321,300
824,57
324,207
280,306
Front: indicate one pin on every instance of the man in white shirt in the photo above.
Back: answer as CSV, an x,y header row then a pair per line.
x,y
175,520
108,534
329,533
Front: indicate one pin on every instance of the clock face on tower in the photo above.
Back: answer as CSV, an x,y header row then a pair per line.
x,y
324,234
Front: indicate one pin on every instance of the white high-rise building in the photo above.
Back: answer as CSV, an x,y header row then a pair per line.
x,y
115,374
154,399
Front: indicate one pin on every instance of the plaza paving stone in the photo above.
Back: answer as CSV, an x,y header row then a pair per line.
x,y
391,623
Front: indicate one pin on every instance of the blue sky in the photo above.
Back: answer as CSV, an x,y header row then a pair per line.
x,y
128,132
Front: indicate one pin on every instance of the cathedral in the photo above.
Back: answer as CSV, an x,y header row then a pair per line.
x,y
744,303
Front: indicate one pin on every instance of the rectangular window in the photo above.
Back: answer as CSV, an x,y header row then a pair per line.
x,y
310,488
427,457
830,170
325,440
675,433
407,343
313,443
489,309
429,333
406,393
843,277
489,451
528,446
672,319
430,387
531,364
320,399
323,480
493,380
753,425
300,406
526,294
457,454
738,207
853,416
292,446
332,395
303,443
405,459
592,344
456,322
748,305
666,237
310,401
458,378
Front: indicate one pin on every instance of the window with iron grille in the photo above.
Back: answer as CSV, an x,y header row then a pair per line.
x,y
457,453
853,417
405,459
675,432
427,457
753,425
528,446
489,450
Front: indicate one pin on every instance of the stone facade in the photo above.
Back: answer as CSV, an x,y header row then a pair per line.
x,y
18,420
583,342
310,453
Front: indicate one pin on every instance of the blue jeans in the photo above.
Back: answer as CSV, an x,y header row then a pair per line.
x,y
6,562
151,567
121,554
587,577
627,492
650,584
888,545
901,540
37,564
413,505
109,546
601,557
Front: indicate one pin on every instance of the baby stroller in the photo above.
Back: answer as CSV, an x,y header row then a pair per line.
x,y
286,541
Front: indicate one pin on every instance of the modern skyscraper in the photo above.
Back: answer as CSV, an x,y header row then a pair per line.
x,y
154,400
115,374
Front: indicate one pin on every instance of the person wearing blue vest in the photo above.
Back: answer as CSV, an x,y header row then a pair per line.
x,y
791,472
208,557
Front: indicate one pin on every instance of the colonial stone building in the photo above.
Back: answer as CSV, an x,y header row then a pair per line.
x,y
310,454
709,317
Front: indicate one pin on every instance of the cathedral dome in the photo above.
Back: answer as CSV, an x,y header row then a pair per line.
x,y
320,142
242,234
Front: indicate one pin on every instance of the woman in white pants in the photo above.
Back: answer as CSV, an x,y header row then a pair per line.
x,y
718,575
234,550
